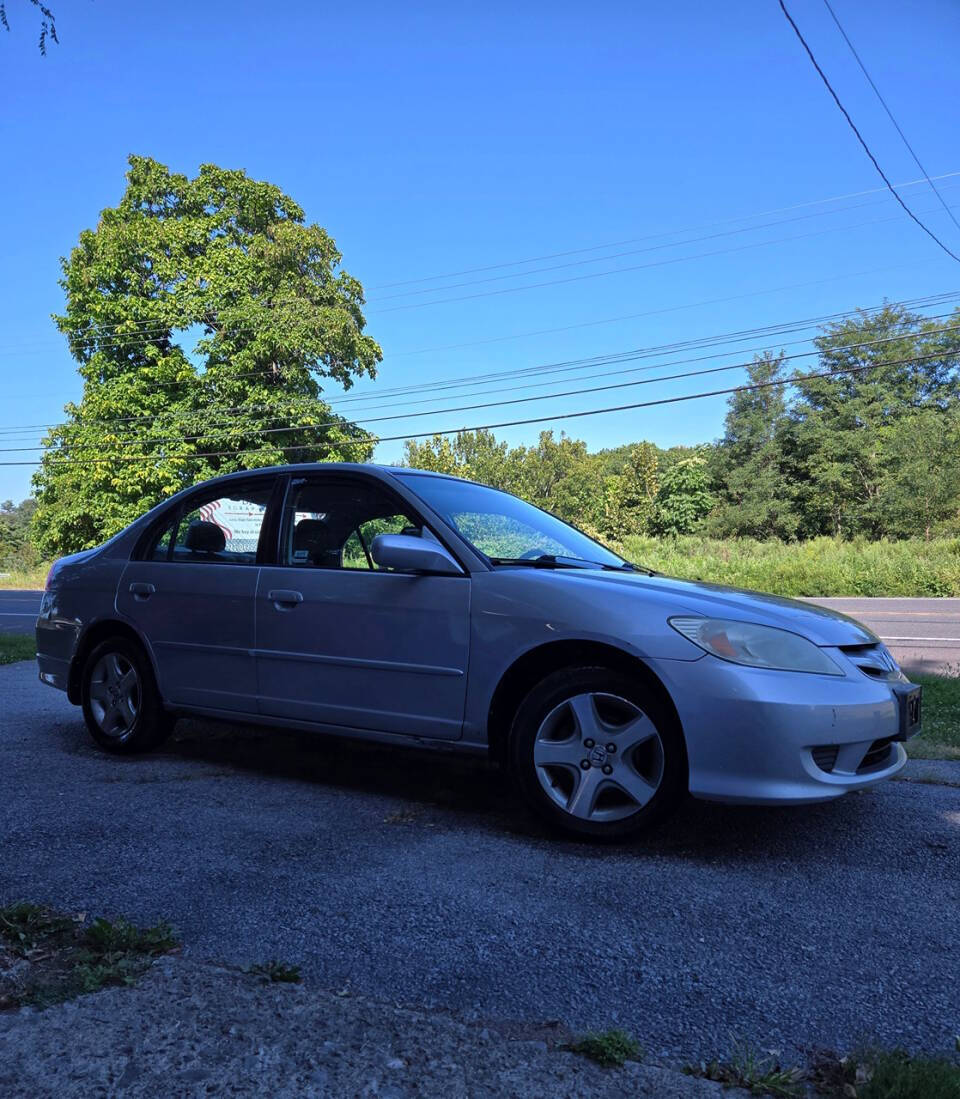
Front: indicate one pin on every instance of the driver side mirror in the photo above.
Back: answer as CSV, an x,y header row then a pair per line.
x,y
410,553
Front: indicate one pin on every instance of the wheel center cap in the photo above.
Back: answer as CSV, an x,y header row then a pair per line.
x,y
598,756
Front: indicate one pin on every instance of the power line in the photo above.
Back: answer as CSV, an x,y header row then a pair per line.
x,y
262,430
567,366
630,252
588,324
646,313
144,333
866,147
654,236
577,414
883,103
641,266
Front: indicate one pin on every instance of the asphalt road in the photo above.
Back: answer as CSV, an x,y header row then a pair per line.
x,y
923,634
415,877
19,610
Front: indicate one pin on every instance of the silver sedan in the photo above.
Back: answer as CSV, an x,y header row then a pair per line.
x,y
409,607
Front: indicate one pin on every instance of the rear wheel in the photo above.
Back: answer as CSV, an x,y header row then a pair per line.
x,y
596,753
121,704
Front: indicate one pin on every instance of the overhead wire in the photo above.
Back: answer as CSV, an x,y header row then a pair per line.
x,y
142,333
567,366
860,137
654,236
896,124
261,430
576,414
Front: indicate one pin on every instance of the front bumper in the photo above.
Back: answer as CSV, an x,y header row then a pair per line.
x,y
751,733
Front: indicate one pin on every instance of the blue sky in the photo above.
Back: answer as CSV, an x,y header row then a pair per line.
x,y
429,138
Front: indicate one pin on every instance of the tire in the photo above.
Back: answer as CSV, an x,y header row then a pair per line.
x,y
121,704
561,762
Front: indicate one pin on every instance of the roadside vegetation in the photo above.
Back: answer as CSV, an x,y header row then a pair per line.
x,y
47,957
818,567
940,738
14,647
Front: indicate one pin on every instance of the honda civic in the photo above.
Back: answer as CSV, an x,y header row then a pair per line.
x,y
417,608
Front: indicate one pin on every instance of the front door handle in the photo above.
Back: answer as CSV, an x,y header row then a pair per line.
x,y
141,590
284,598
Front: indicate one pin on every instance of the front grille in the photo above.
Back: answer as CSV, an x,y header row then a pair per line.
x,y
825,756
877,757
873,660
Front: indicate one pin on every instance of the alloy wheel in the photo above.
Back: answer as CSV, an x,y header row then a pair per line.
x,y
114,694
599,757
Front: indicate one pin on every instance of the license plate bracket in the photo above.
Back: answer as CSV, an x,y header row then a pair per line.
x,y
910,703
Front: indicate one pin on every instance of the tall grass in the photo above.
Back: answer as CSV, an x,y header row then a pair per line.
x,y
822,566
14,576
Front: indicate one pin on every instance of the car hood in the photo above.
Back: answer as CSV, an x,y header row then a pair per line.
x,y
817,624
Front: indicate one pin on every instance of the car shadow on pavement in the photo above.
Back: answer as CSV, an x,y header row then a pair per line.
x,y
450,791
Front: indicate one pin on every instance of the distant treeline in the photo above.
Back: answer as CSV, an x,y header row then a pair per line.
x,y
863,444
15,543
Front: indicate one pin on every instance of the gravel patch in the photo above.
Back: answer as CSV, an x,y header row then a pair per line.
x,y
196,1030
416,873
935,772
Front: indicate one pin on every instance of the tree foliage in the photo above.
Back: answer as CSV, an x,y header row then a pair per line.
x,y
226,263
874,452
833,456
15,543
684,498
48,23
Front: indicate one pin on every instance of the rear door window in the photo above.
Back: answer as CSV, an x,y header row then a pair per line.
x,y
220,528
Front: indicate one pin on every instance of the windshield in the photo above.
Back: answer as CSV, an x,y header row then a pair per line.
x,y
504,527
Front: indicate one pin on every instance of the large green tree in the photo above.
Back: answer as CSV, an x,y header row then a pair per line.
x,y
747,465
835,443
919,491
628,499
206,316
15,545
685,497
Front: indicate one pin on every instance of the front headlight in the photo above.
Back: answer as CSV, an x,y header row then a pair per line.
x,y
755,645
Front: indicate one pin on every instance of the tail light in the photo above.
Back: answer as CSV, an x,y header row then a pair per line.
x,y
53,569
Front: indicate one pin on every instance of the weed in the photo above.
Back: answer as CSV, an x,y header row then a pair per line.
x,y
610,1048
885,1074
277,971
105,937
67,958
747,1068
24,926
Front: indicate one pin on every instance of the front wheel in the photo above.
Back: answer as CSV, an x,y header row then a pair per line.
x,y
121,704
596,753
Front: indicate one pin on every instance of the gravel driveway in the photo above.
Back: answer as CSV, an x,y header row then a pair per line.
x,y
414,876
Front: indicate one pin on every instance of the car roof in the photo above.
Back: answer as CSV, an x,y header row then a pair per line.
x,y
326,467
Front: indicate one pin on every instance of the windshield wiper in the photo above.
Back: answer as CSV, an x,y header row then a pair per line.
x,y
553,561
544,561
629,566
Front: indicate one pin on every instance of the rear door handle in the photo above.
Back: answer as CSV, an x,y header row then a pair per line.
x,y
142,591
283,597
